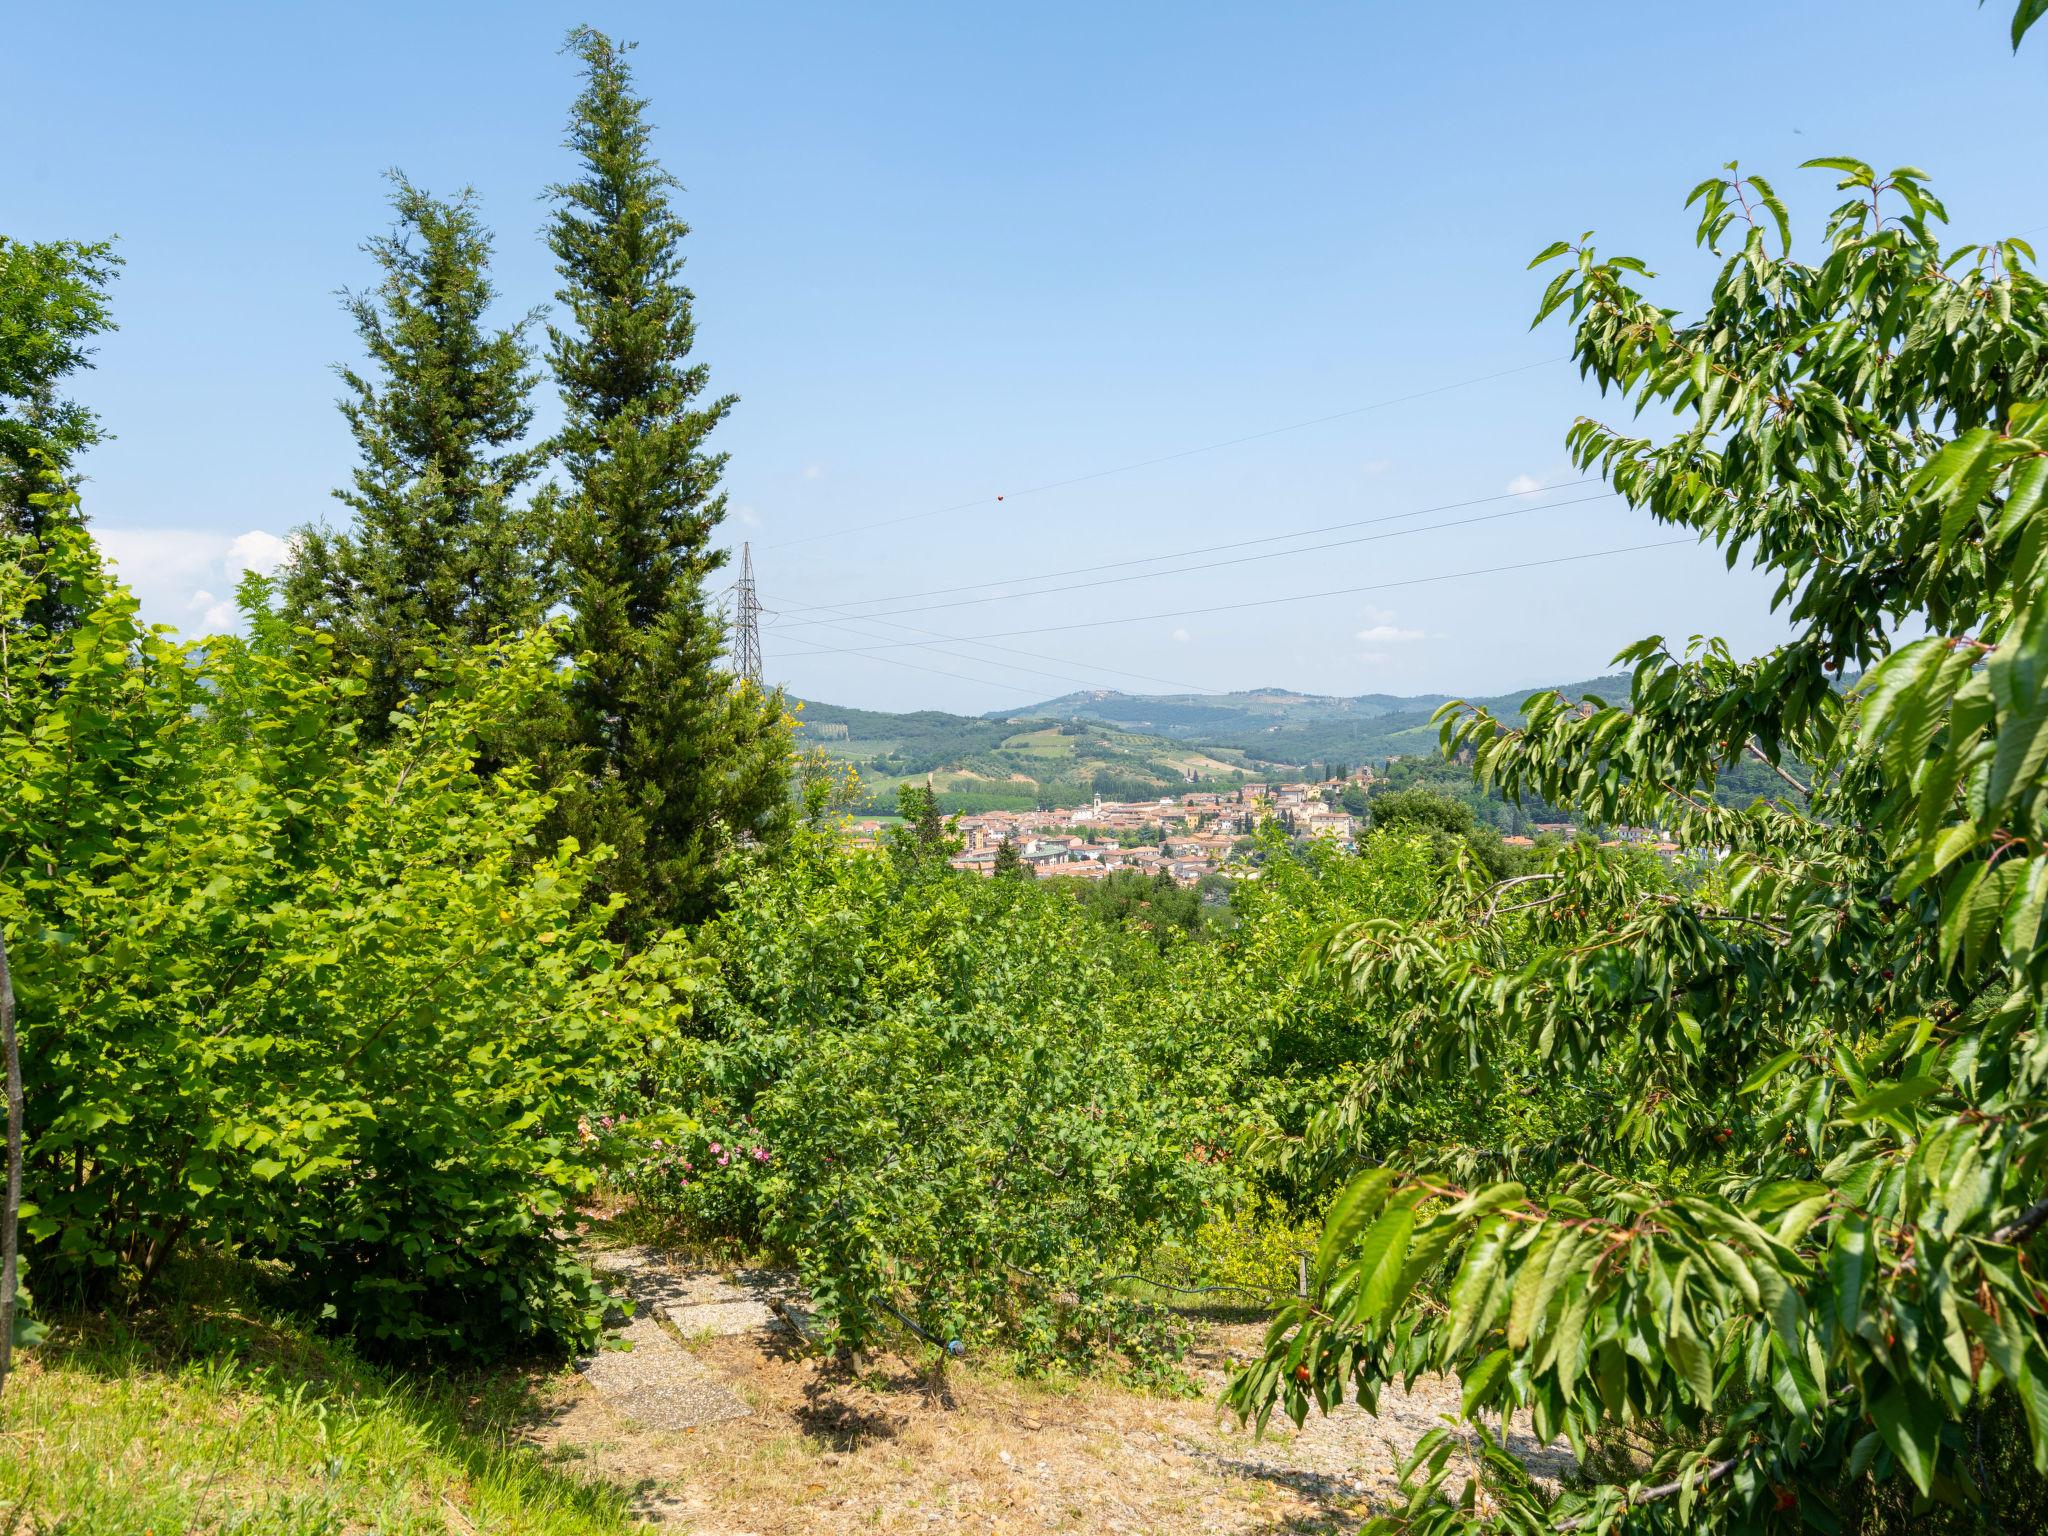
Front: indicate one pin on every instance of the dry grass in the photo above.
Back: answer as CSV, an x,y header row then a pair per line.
x,y
897,1448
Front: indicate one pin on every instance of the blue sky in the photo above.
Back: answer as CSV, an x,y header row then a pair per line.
x,y
945,253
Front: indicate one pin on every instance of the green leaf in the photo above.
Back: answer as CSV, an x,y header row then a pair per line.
x,y
1911,1426
1892,1097
2019,689
1768,1070
1353,1208
1477,1292
1848,1268
1544,1268
1479,1380
1694,1364
2024,16
1380,1261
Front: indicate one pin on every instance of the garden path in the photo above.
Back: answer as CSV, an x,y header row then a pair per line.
x,y
728,1425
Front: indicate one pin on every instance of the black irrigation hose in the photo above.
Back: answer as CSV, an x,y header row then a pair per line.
x,y
1193,1290
951,1347
956,1348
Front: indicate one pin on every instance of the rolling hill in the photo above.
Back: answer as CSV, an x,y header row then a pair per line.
x,y
1012,763
1128,746
1279,726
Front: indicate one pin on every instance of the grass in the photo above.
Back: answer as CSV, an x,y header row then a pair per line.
x,y
209,1415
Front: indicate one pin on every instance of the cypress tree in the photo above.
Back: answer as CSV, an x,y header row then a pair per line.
x,y
683,763
53,301
441,551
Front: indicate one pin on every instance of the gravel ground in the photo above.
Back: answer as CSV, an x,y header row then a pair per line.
x,y
894,1447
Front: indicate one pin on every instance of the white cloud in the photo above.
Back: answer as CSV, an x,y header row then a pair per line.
x,y
1385,632
1522,485
1378,466
179,574
258,551
813,472
748,516
1182,636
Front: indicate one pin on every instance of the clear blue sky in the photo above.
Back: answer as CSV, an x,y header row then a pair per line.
x,y
946,252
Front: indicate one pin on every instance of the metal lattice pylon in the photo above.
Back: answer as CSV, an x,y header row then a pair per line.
x,y
746,621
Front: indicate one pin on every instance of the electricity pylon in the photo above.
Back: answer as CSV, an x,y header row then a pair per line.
x,y
747,621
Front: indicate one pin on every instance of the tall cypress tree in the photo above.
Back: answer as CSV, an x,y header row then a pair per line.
x,y
53,301
441,551
684,762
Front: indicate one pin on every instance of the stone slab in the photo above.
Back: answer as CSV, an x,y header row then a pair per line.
x,y
739,1314
657,1383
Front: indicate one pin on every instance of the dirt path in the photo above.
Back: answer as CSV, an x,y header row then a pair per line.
x,y
895,1449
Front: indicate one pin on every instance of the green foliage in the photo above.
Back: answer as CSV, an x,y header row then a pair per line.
x,y
53,301
283,995
1798,1255
978,1104
1010,864
682,767
1254,1246
441,554
924,834
2024,15
969,1110
1153,903
1450,824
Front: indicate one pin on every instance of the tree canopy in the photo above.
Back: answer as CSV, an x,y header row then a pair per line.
x,y
1803,1249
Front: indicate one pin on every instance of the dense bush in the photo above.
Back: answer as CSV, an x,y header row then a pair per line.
x,y
947,1097
285,994
975,1103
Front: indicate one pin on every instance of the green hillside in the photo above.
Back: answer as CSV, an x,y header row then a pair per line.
x,y
1015,763
1129,746
1277,726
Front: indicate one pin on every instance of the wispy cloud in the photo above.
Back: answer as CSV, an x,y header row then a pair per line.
x,y
1522,485
1182,636
814,472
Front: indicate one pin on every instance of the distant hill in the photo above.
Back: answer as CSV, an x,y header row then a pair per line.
x,y
1128,746
1279,726
1013,763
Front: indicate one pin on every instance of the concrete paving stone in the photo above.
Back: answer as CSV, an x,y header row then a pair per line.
x,y
743,1314
658,1383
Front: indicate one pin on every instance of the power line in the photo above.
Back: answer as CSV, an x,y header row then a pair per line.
x,y
961,677
1298,597
1185,570
1202,549
1167,458
938,639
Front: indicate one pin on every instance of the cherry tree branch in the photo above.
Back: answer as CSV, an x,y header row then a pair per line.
x,y
1757,752
1651,1495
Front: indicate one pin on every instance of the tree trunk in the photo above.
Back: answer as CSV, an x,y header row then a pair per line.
x,y
10,1217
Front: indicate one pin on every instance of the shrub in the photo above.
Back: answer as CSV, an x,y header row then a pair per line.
x,y
970,1114
290,996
